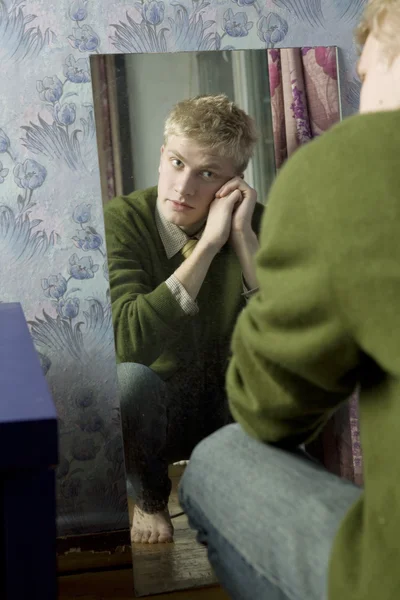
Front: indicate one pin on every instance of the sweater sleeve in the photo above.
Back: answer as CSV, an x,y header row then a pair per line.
x,y
292,361
184,299
145,318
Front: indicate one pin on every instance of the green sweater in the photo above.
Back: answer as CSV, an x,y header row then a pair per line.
x,y
150,326
327,318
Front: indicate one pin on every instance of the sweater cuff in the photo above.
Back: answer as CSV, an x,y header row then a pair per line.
x,y
185,301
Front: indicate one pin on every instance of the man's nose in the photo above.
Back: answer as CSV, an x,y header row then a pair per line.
x,y
185,184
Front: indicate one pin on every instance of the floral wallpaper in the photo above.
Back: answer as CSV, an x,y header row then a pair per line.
x,y
52,250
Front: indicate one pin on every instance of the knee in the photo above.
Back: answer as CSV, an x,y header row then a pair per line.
x,y
226,442
219,451
135,382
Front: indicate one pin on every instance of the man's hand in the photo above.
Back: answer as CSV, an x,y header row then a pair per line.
x,y
242,237
192,272
243,213
219,220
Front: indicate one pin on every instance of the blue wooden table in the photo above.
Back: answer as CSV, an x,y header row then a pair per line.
x,y
28,455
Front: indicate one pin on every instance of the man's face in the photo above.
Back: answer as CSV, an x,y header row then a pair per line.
x,y
189,178
380,79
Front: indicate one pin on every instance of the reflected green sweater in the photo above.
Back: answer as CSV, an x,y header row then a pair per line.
x,y
327,317
150,326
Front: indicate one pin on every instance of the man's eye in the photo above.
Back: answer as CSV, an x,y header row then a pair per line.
x,y
176,162
208,174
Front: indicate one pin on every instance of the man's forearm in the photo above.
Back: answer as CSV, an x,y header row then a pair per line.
x,y
193,270
246,246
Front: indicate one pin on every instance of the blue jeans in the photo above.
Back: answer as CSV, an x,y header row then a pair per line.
x,y
162,421
267,516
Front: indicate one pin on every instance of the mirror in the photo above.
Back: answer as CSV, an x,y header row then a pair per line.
x,y
172,348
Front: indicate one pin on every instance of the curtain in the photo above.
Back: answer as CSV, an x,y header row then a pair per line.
x,y
304,96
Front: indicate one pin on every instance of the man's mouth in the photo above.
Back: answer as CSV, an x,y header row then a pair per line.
x,y
180,205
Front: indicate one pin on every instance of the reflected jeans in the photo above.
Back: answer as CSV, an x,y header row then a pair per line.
x,y
161,424
267,516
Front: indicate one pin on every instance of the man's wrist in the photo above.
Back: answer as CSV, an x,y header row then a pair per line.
x,y
207,249
245,239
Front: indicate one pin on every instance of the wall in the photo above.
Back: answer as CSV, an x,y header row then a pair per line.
x,y
52,253
150,100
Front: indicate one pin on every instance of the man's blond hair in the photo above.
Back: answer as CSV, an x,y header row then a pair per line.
x,y
382,19
216,124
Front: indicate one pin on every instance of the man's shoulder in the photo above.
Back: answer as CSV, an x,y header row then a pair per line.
x,y
343,167
350,144
138,204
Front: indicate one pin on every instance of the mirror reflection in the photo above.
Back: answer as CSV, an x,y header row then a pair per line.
x,y
189,145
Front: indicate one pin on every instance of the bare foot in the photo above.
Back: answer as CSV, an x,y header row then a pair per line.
x,y
153,528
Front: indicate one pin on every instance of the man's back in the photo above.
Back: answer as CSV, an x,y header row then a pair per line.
x,y
327,318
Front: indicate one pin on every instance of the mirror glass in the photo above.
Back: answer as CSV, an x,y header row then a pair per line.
x,y
172,342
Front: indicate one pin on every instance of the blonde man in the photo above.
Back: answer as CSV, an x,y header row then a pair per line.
x,y
326,319
181,266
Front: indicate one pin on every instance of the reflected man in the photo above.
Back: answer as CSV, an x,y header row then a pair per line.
x,y
181,268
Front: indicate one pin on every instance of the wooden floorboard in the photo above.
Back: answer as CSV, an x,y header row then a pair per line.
x,y
94,552
182,565
99,567
118,585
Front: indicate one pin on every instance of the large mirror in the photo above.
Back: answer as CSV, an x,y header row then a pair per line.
x,y
169,139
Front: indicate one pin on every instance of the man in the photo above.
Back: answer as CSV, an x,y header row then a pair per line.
x,y
326,318
181,266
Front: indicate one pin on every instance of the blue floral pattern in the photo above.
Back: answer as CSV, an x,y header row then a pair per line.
x,y
68,308
78,10
53,256
272,29
245,2
30,175
152,11
3,173
4,142
77,71
84,39
54,287
82,213
50,89
65,113
18,40
55,140
21,239
237,25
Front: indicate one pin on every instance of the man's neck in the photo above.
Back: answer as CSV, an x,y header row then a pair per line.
x,y
194,229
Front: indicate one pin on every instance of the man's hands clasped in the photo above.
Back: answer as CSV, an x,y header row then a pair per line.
x,y
230,215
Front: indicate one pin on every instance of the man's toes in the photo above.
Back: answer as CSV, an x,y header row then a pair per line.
x,y
136,537
146,535
153,539
165,537
140,537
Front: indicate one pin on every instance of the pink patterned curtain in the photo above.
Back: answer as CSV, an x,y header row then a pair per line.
x,y
304,96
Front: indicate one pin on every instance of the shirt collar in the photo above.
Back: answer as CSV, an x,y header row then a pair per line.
x,y
172,236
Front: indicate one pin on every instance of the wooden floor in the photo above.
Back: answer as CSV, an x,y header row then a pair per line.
x,y
99,567
118,585
182,565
